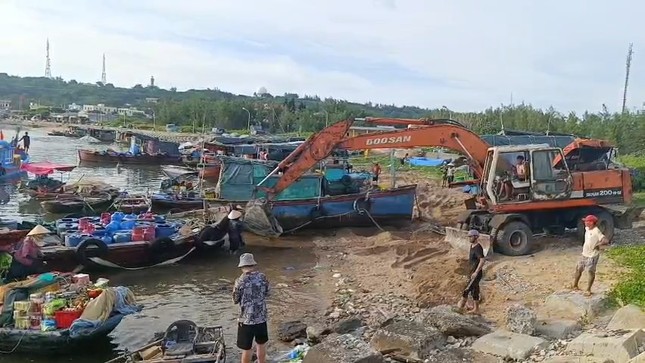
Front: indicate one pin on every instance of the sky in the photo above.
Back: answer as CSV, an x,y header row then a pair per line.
x,y
467,55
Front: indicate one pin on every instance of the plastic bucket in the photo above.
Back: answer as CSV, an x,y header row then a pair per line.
x,y
128,224
122,237
66,227
74,239
117,216
138,233
149,233
164,230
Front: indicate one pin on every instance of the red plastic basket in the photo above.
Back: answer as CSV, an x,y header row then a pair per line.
x,y
64,319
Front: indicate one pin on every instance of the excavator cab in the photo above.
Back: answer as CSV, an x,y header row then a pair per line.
x,y
524,173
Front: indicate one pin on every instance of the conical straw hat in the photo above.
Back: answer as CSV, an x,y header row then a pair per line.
x,y
38,230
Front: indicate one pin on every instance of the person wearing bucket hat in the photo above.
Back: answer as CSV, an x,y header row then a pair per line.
x,y
27,258
476,259
250,291
594,239
235,240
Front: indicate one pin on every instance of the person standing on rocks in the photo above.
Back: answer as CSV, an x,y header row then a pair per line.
x,y
250,291
476,259
594,239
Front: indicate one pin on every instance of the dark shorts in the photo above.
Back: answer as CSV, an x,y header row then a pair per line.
x,y
247,333
450,178
375,178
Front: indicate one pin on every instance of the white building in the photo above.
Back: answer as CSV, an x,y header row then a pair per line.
x,y
74,107
5,104
130,111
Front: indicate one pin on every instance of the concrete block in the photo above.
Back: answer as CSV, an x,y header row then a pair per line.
x,y
557,328
574,305
638,359
626,318
617,347
509,345
343,348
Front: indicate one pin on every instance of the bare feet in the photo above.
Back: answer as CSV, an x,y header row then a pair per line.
x,y
474,312
574,287
587,293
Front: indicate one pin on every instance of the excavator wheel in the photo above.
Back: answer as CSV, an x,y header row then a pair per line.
x,y
514,239
605,223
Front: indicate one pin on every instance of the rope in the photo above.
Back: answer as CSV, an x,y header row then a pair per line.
x,y
105,263
16,346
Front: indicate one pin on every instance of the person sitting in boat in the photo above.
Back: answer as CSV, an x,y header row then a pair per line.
x,y
27,256
235,240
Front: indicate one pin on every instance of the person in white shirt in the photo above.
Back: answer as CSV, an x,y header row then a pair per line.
x,y
594,239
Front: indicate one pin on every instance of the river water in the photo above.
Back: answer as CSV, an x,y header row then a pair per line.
x,y
199,291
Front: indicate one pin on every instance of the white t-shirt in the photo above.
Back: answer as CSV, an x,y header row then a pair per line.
x,y
593,237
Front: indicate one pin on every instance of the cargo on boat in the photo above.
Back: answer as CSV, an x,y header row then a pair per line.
x,y
112,241
52,314
78,204
132,203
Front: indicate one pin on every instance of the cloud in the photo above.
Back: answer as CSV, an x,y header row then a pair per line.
x,y
466,54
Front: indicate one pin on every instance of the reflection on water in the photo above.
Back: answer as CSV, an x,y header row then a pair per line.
x,y
199,291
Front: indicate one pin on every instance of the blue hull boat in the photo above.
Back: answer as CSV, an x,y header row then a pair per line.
x,y
384,207
55,342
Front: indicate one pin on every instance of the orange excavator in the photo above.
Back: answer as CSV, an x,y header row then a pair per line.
x,y
555,191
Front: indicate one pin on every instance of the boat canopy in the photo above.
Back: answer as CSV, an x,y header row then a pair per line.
x,y
46,168
239,177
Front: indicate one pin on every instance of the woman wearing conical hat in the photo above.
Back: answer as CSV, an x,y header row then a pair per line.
x,y
27,256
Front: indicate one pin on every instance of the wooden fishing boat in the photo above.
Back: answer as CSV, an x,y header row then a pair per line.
x,y
78,204
183,341
55,342
210,172
162,202
9,237
93,156
132,204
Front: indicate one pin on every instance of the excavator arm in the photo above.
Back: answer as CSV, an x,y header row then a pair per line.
x,y
320,145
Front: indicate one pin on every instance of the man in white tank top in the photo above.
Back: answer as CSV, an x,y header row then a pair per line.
x,y
594,239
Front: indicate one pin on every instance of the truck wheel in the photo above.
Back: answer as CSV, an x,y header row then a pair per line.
x,y
514,239
605,224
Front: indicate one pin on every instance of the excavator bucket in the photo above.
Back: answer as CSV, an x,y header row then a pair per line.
x,y
259,219
458,239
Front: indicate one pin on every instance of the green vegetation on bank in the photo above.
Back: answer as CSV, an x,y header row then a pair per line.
x,y
631,289
193,109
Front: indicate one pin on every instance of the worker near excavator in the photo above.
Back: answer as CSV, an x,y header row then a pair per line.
x,y
594,239
476,259
520,168
376,171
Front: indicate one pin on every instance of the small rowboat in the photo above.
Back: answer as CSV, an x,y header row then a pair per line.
x,y
133,204
183,341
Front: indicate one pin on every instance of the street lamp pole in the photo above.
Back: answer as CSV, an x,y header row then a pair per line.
x,y
248,122
154,121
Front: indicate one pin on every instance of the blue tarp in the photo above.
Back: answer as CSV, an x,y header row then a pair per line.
x,y
419,161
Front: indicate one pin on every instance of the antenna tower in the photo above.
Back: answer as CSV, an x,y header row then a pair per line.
x,y
48,64
628,65
103,75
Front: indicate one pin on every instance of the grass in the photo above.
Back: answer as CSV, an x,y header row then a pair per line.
x,y
631,289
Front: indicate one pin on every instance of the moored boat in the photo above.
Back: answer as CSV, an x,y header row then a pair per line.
x,y
132,204
183,341
78,204
113,157
51,314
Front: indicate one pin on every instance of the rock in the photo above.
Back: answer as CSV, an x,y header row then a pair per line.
x,y
347,325
638,359
627,317
557,329
620,347
291,330
315,333
520,319
509,345
460,355
343,348
575,359
410,338
574,305
449,322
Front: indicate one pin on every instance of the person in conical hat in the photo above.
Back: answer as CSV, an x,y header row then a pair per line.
x,y
235,240
27,256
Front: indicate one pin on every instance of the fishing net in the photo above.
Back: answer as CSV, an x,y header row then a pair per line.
x,y
259,219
